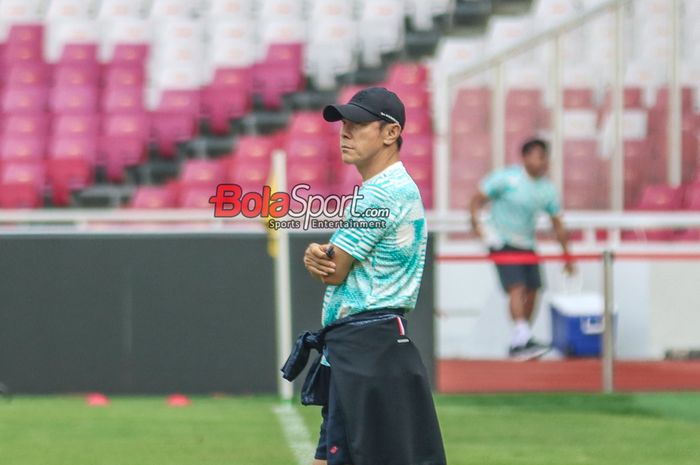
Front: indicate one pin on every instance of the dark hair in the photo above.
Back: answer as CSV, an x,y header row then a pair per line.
x,y
531,144
383,123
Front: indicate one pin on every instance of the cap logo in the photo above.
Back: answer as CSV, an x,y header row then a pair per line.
x,y
390,117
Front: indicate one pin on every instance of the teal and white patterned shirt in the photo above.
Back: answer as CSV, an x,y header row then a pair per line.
x,y
389,261
516,200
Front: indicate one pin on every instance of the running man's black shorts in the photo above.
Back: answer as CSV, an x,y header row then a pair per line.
x,y
527,274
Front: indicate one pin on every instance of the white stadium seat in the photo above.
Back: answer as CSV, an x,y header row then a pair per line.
x,y
164,9
60,33
276,10
68,9
231,43
382,26
229,9
20,11
331,50
320,10
579,124
117,9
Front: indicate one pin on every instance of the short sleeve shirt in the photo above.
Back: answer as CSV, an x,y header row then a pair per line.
x,y
516,200
390,259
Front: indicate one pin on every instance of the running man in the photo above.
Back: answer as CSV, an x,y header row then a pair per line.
x,y
379,408
517,195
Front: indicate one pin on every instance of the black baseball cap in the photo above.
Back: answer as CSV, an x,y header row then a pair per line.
x,y
371,104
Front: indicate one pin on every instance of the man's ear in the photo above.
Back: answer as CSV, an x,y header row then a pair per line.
x,y
391,133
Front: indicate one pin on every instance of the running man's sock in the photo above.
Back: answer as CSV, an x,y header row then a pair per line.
x,y
521,333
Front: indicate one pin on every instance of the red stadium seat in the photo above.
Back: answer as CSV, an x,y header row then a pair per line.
x,y
313,173
21,185
195,197
418,122
220,105
413,97
68,172
252,148
250,174
308,123
660,197
523,100
26,34
687,98
23,52
181,102
417,147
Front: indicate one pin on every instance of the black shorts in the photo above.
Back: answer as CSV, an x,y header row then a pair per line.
x,y
512,275
332,441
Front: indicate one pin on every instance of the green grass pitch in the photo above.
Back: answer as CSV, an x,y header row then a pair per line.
x,y
537,429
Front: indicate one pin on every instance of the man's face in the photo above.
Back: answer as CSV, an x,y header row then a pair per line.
x,y
360,142
536,162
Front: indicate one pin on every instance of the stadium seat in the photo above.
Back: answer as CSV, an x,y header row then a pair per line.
x,y
310,172
169,129
67,173
578,98
119,152
420,122
130,54
111,9
328,10
21,11
76,75
195,197
382,26
331,51
27,74
280,10
21,185
240,9
25,126
407,74
279,74
124,76
75,125
22,148
250,175
72,41
223,104
170,9
205,173
67,9
417,147
74,100
154,197
308,148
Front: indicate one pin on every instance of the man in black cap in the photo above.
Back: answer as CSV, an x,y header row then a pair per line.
x,y
379,407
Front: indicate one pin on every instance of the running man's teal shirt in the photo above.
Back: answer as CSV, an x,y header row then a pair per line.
x,y
516,200
389,260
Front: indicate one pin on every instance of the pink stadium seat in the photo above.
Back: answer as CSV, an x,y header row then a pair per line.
x,y
220,105
466,122
21,185
76,75
25,100
346,93
119,152
251,148
407,74
529,100
26,34
67,173
478,148
79,54
154,197
308,123
26,126
422,173
27,74
206,173
169,129
417,147
307,148
578,98
181,102
74,100
313,173
412,97
22,148
586,149
194,197
691,197
129,126
687,98
120,99
124,75
280,74
249,174
130,54
660,197
418,122
82,147
474,100
22,52
76,125
632,98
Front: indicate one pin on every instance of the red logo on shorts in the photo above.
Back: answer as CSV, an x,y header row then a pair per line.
x,y
334,450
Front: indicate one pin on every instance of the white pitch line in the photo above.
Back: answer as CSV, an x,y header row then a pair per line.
x,y
295,433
